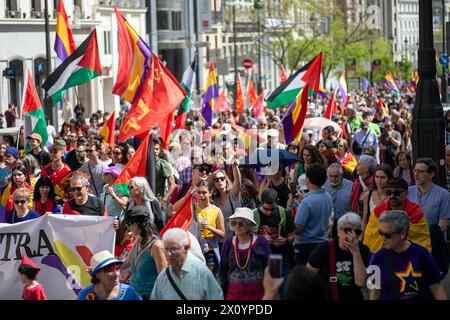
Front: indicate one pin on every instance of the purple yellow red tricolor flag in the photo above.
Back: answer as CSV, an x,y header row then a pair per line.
x,y
134,61
64,44
211,93
343,88
294,119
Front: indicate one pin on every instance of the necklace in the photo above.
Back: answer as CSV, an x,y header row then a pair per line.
x,y
236,254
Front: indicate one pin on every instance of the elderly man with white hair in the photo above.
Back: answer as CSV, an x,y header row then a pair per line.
x,y
342,263
186,277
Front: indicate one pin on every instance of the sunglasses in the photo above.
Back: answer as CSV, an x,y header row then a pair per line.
x,y
217,179
269,209
237,223
20,201
76,189
117,152
130,188
386,235
357,231
90,150
396,193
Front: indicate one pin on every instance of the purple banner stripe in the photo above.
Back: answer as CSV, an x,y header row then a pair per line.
x,y
61,52
207,113
211,93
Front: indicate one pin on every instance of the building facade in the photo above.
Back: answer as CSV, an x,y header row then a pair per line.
x,y
22,30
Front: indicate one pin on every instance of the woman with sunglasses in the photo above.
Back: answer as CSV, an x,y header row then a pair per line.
x,y
44,197
351,255
408,271
212,225
19,179
244,257
119,156
21,211
376,193
226,194
146,258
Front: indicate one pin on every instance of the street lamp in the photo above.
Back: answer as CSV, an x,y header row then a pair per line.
x,y
258,5
406,48
428,128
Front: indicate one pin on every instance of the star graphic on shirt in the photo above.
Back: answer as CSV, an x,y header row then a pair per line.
x,y
408,277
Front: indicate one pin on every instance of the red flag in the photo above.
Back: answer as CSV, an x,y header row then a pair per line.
x,y
380,104
180,121
222,104
251,94
283,74
165,130
108,130
160,95
182,218
239,107
331,107
258,106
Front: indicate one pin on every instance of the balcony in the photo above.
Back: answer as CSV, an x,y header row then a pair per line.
x,y
13,14
37,14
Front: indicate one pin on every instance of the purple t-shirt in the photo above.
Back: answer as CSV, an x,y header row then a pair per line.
x,y
414,271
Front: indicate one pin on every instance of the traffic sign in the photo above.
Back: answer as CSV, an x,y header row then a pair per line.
x,y
247,63
444,59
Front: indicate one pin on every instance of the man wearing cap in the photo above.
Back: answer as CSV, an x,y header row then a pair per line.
x,y
35,141
115,201
57,170
10,159
186,278
105,280
272,140
397,192
365,137
94,168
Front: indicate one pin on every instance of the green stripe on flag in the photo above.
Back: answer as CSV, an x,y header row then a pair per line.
x,y
79,77
283,99
40,126
123,187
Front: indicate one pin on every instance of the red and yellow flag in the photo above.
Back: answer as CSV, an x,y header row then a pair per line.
x,y
108,130
240,106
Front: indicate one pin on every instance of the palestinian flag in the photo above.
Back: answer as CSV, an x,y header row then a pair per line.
x,y
80,67
286,93
33,114
188,84
141,164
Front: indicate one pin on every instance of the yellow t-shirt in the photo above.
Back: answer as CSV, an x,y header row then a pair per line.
x,y
209,215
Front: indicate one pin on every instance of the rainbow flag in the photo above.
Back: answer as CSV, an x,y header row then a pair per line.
x,y
390,80
211,93
134,61
343,88
64,44
294,119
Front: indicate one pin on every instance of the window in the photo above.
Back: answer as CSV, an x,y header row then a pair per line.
x,y
107,42
36,5
11,5
162,20
176,20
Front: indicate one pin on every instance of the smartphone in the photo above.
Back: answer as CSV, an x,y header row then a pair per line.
x,y
275,265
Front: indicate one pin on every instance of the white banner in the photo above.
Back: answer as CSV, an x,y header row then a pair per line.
x,y
61,245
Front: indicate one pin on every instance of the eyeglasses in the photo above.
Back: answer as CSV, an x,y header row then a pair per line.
x,y
357,231
217,179
237,223
73,136
172,250
386,235
76,189
269,209
396,193
117,152
20,201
